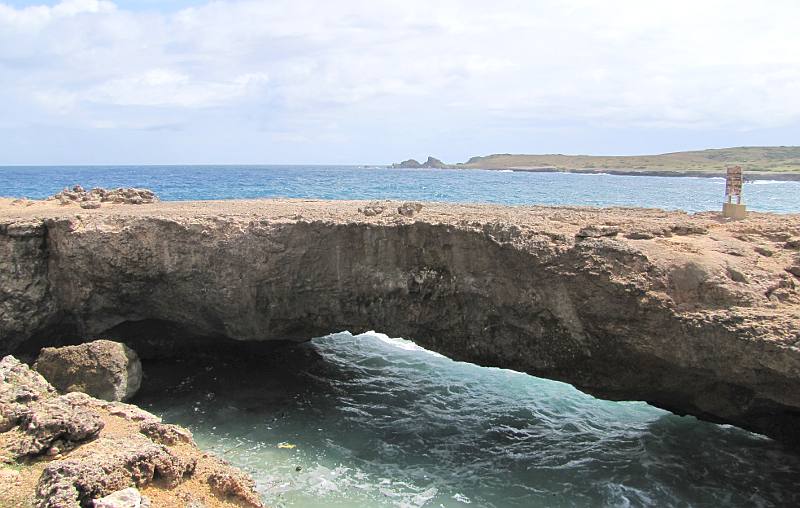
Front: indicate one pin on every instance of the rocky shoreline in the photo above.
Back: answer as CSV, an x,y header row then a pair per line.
x,y
692,313
73,450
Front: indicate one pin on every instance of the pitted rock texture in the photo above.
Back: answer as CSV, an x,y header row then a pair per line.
x,y
66,419
93,199
106,466
687,312
104,369
72,451
19,388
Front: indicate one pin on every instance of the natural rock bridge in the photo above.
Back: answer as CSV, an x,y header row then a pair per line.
x,y
686,312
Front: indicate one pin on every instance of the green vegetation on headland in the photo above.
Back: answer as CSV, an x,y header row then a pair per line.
x,y
774,162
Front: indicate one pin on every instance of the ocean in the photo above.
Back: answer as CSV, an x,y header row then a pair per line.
x,y
354,182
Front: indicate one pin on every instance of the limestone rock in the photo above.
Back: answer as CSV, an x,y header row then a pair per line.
x,y
234,484
130,412
105,466
103,369
409,209
125,498
165,433
372,209
65,419
19,386
595,231
93,198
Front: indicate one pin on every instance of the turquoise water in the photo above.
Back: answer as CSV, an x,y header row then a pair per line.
x,y
380,422
350,182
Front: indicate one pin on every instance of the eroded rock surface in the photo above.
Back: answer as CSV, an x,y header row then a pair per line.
x,y
92,199
79,451
106,466
104,369
687,312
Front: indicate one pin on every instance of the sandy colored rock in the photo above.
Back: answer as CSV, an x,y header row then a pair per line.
x,y
125,498
677,310
106,466
234,484
19,387
165,433
77,468
104,369
65,420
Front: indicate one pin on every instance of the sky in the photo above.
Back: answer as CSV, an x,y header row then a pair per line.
x,y
372,82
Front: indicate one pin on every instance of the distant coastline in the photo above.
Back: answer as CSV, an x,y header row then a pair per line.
x,y
781,163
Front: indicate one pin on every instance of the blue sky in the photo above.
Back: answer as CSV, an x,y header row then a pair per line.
x,y
298,81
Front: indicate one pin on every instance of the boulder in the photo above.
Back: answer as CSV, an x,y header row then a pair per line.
x,y
103,369
409,209
372,209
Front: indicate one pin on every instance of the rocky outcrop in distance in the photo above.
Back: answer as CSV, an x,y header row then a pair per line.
x,y
691,313
431,163
72,450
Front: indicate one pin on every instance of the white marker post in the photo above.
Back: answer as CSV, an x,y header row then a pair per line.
x,y
733,187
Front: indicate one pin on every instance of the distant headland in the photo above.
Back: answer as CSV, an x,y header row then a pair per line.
x,y
759,162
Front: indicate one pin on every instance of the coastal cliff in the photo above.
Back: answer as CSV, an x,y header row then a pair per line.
x,y
688,312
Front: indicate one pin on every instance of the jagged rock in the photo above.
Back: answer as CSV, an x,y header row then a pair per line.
x,y
125,498
106,466
102,368
165,433
431,163
234,484
434,163
91,199
19,386
595,231
409,209
65,419
372,209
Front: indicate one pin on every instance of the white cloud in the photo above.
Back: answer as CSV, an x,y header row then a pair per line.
x,y
165,87
692,64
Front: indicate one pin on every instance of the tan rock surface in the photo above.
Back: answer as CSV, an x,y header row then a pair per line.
x,y
689,312
79,468
102,368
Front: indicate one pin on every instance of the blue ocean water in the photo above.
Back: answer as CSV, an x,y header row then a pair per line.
x,y
353,182
370,421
